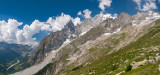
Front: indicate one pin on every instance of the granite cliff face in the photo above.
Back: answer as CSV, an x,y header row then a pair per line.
x,y
87,24
52,42
55,39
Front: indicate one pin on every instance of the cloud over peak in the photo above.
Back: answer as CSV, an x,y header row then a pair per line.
x,y
86,13
103,3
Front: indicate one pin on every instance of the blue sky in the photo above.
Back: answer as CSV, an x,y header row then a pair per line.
x,y
27,11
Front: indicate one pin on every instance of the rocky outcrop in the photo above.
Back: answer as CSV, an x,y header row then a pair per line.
x,y
52,42
55,39
87,24
136,65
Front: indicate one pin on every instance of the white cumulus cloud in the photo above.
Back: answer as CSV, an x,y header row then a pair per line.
x,y
76,21
138,2
146,5
8,30
79,13
10,33
87,13
103,3
59,22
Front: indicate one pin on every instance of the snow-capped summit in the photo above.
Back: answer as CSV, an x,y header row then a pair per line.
x,y
108,15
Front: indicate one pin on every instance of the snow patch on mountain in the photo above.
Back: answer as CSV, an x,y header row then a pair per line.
x,y
145,18
106,34
83,33
119,29
64,44
90,23
108,15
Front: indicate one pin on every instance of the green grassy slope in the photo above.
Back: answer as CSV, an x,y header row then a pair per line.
x,y
9,54
146,47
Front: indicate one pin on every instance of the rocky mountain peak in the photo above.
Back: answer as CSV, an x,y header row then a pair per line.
x,y
124,16
52,42
98,16
88,23
69,26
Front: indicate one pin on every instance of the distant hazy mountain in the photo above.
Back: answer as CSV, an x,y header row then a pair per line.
x,y
10,54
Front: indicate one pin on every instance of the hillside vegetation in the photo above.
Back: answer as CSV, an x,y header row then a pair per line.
x,y
137,58
11,54
120,53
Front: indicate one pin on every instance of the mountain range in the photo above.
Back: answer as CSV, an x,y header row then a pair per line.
x,y
123,45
